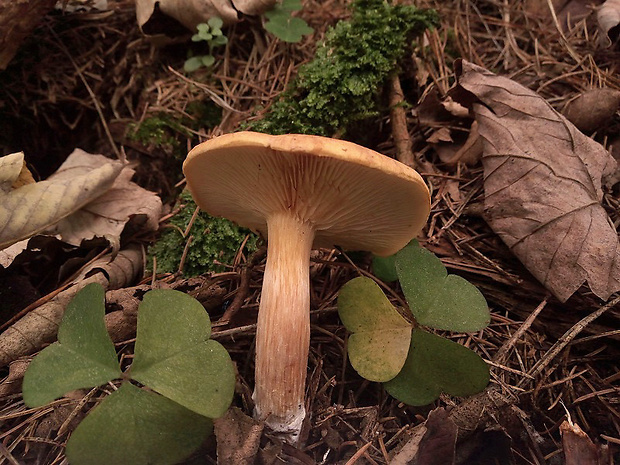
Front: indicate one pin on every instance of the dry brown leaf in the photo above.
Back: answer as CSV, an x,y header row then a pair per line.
x,y
540,8
238,438
40,326
608,16
468,152
19,19
543,187
107,215
12,384
33,208
593,109
432,443
190,13
578,447
254,7
440,135
574,12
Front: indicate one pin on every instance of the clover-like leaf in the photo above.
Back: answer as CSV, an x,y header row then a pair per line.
x,y
286,27
192,64
208,60
84,355
436,298
137,427
384,268
174,356
380,341
215,23
290,5
434,365
219,40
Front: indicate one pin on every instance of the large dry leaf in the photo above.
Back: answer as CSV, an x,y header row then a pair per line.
x,y
18,20
608,16
33,208
543,187
189,13
107,215
254,7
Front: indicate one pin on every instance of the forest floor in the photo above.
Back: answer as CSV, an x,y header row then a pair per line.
x,y
88,79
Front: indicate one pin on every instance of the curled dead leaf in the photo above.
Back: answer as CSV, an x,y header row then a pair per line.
x,y
432,443
254,7
90,196
468,152
543,186
40,326
608,16
32,208
578,447
540,8
593,109
238,438
189,13
107,215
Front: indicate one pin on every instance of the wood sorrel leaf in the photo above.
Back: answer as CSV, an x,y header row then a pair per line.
x,y
138,427
384,268
435,364
436,298
286,27
172,344
380,340
84,355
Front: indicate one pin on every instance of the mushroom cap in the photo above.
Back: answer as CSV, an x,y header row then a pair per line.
x,y
354,197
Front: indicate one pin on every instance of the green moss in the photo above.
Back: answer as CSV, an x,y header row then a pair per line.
x,y
213,239
341,85
163,131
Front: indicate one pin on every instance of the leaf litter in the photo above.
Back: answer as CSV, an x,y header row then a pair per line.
x,y
543,187
352,418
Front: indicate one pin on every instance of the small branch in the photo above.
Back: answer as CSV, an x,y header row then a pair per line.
x,y
398,118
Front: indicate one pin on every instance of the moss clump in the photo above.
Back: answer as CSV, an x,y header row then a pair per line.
x,y
159,130
163,131
213,239
341,85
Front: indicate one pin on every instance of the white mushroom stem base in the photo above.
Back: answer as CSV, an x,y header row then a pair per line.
x,y
283,330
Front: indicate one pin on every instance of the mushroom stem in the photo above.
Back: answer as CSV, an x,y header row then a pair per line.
x,y
283,330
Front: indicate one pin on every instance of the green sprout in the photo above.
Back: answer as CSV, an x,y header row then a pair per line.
x,y
189,380
211,33
284,26
389,346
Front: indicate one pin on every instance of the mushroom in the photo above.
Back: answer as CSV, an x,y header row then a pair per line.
x,y
300,192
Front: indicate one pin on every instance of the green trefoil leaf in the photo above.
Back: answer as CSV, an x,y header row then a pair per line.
x,y
175,357
134,426
435,365
437,299
83,357
379,342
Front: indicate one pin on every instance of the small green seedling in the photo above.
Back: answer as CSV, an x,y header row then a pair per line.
x,y
211,33
387,346
284,26
190,380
